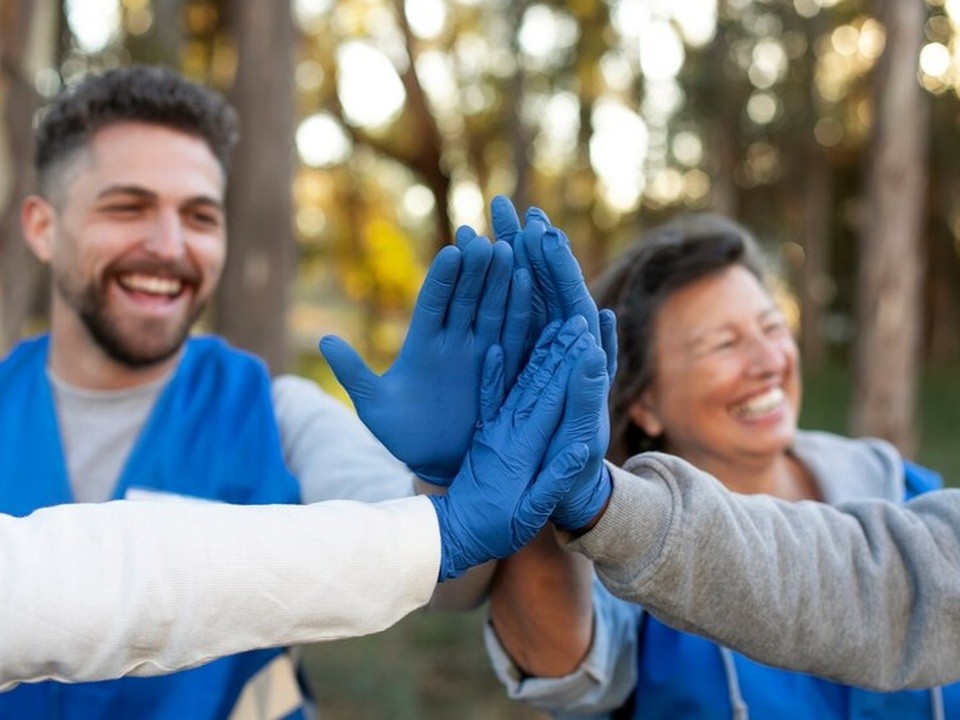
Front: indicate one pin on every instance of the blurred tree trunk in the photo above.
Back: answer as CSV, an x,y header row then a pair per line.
x,y
27,42
519,133
724,130
941,342
252,301
162,43
890,258
589,242
428,162
813,286
420,145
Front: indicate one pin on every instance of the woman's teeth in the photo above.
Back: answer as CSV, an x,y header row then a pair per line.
x,y
760,404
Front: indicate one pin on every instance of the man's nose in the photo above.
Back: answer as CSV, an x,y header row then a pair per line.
x,y
166,236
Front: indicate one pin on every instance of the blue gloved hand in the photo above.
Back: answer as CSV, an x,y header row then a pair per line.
x,y
505,491
592,486
425,408
559,292
515,333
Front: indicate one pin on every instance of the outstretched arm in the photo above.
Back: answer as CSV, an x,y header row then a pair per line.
x,y
508,486
866,593
90,592
98,591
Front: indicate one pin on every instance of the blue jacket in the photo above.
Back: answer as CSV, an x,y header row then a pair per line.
x,y
211,434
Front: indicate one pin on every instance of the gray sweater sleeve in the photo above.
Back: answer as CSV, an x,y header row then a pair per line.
x,y
867,593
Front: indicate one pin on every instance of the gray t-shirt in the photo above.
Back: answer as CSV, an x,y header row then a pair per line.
x,y
97,431
324,444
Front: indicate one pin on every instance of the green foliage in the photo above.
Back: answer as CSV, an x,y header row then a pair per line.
x,y
826,399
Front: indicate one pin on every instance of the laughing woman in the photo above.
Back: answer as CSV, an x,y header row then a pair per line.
x,y
708,371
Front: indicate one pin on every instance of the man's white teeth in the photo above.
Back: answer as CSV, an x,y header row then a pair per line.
x,y
761,404
151,284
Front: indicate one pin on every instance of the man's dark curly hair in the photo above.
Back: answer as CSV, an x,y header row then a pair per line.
x,y
130,94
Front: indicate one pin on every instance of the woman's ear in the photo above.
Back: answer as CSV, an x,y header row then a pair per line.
x,y
644,415
36,219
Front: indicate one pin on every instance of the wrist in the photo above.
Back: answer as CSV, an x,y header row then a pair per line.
x,y
441,506
425,487
588,512
437,479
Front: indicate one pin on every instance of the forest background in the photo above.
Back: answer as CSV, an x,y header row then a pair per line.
x,y
372,128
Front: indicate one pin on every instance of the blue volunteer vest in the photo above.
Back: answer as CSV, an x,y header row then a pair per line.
x,y
212,434
685,676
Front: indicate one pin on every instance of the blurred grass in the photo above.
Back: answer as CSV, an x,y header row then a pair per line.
x,y
433,666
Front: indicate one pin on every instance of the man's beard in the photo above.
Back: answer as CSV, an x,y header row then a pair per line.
x,y
136,348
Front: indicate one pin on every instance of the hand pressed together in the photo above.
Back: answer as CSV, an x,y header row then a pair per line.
x,y
507,488
425,408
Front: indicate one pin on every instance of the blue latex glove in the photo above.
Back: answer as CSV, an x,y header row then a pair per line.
x,y
501,498
560,292
592,486
515,333
425,408
544,250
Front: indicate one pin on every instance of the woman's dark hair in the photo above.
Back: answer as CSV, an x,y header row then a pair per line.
x,y
664,260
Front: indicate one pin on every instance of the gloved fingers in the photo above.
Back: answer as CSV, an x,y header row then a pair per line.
x,y
466,295
608,340
464,236
435,294
584,415
549,487
491,315
540,409
504,219
535,362
531,237
567,286
516,325
585,409
535,213
491,384
587,388
542,383
351,371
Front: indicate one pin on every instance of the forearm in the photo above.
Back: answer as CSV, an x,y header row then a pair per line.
x,y
541,607
98,591
869,596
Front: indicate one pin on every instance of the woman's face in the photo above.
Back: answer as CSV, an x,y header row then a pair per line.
x,y
726,385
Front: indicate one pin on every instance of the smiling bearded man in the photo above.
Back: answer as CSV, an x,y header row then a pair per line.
x,y
117,402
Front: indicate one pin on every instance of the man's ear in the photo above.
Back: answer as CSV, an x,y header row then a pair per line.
x,y
37,218
644,415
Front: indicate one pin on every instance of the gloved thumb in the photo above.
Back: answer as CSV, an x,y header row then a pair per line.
x,y
464,236
608,339
551,486
504,219
586,392
535,213
351,371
